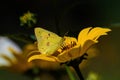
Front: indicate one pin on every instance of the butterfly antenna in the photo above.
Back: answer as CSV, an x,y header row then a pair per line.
x,y
66,34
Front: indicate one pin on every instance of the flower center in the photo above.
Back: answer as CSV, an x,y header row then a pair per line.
x,y
67,46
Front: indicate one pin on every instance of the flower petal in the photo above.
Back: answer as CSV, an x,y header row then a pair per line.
x,y
42,57
96,32
87,37
91,34
86,46
69,54
83,35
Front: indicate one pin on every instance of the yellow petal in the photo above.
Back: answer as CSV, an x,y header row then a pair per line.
x,y
42,57
91,34
64,57
69,54
86,46
96,32
75,52
83,35
90,37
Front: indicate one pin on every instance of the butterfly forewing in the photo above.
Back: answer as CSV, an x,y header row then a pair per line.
x,y
48,42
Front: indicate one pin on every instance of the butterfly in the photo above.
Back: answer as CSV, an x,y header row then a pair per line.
x,y
48,42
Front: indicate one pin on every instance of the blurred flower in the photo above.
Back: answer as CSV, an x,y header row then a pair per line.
x,y
93,76
5,44
28,19
19,65
72,48
11,56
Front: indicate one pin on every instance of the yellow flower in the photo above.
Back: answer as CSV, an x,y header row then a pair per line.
x,y
28,18
72,48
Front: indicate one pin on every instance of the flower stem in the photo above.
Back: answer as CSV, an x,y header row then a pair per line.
x,y
77,69
75,64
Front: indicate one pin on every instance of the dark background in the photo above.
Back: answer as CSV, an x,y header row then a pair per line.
x,y
61,16
65,15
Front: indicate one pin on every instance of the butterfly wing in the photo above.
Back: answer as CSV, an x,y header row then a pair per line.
x,y
48,42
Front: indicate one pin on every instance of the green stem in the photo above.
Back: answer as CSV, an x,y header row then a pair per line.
x,y
69,73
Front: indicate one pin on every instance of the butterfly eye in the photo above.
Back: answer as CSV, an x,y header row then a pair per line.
x,y
73,43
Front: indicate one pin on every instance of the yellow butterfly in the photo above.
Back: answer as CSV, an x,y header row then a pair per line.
x,y
48,42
